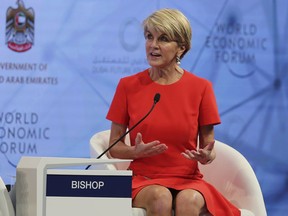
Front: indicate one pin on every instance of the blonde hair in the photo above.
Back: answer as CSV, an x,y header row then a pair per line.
x,y
173,23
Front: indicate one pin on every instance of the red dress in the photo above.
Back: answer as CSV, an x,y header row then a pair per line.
x,y
183,107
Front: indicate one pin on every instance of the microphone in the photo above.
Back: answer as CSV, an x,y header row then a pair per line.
x,y
156,100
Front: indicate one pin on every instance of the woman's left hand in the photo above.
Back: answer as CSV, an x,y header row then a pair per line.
x,y
204,156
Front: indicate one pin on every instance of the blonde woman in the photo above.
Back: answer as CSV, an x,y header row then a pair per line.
x,y
164,146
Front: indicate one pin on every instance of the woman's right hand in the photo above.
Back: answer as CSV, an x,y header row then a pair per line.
x,y
148,149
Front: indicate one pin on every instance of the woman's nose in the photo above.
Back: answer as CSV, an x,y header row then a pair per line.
x,y
154,42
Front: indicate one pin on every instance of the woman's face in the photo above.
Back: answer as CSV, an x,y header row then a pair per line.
x,y
160,51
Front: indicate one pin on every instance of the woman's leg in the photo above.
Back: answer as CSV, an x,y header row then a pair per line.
x,y
156,199
189,202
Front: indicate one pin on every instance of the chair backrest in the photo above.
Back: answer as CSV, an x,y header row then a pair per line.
x,y
6,207
233,176
230,173
99,142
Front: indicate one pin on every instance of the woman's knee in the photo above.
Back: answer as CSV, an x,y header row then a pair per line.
x,y
189,202
160,197
154,198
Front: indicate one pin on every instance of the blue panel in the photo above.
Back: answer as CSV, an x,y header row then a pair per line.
x,y
89,186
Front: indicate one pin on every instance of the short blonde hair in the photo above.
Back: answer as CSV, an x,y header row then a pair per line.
x,y
173,23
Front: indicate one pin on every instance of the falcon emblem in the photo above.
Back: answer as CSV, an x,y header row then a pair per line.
x,y
20,27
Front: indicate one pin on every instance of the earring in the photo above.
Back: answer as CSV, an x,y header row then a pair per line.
x,y
178,60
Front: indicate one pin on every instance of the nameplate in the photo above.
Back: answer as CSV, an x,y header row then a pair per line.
x,y
89,186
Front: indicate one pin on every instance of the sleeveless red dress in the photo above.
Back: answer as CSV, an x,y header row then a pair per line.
x,y
183,107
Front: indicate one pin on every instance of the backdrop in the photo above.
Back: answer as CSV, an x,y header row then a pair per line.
x,y
60,62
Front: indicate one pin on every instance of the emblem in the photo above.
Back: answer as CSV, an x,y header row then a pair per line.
x,y
20,27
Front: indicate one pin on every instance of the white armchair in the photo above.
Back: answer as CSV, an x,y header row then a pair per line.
x,y
230,173
6,207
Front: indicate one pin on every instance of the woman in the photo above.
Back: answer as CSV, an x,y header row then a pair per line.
x,y
164,146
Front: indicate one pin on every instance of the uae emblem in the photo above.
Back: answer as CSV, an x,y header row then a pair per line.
x,y
20,27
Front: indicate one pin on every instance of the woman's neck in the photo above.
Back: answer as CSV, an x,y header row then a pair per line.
x,y
166,76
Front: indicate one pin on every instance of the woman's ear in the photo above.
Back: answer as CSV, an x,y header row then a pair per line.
x,y
181,50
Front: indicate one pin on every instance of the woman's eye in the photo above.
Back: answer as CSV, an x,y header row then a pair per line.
x,y
164,39
148,36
